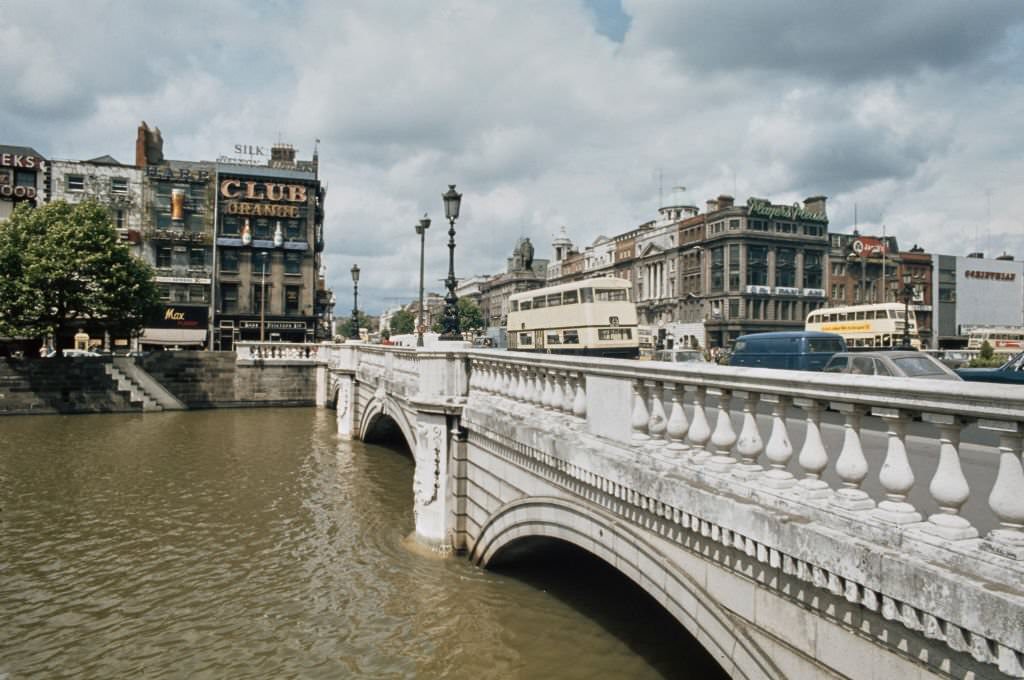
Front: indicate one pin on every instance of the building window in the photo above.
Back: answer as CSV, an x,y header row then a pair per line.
x,y
197,192
262,230
197,294
197,257
756,308
165,291
291,300
229,260
812,269
734,309
734,225
75,182
757,266
292,263
734,266
24,178
229,297
118,185
293,230
119,219
717,268
163,257
229,226
785,267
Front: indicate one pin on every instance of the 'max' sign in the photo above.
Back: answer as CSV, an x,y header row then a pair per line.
x,y
262,191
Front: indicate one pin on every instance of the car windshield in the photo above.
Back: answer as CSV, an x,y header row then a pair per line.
x,y
917,366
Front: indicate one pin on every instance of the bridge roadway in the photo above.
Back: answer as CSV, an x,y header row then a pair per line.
x,y
799,525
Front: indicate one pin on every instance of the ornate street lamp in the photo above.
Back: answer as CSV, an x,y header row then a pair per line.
x,y
355,302
450,323
908,293
421,229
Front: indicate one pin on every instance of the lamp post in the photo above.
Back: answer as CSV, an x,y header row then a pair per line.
x,y
421,229
908,293
355,302
263,295
452,200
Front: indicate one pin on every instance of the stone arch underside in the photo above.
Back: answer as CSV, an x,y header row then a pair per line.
x,y
386,407
720,633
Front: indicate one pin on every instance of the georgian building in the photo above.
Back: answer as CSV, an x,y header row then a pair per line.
x,y
114,185
655,266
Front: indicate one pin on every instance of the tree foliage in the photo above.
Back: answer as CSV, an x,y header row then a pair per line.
x,y
64,263
470,317
344,326
403,322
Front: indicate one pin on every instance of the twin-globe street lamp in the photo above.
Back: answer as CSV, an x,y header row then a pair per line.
x,y
450,323
355,302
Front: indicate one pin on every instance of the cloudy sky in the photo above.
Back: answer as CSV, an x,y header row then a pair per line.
x,y
550,112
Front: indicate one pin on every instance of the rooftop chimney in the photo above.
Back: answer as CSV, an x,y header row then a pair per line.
x,y
816,205
712,205
724,201
149,146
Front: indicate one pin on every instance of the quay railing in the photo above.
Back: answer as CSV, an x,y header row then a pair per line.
x,y
280,351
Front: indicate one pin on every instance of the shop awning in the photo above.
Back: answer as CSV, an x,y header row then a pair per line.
x,y
173,336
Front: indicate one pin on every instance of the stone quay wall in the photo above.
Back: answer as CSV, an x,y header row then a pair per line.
x,y
199,379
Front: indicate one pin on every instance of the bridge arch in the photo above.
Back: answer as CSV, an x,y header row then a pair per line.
x,y
382,406
601,535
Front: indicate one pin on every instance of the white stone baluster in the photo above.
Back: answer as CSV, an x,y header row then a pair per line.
x,y
657,422
813,457
568,393
852,466
700,429
556,392
678,425
896,476
545,389
579,404
520,391
537,387
640,416
724,436
507,381
749,445
949,487
1007,497
778,450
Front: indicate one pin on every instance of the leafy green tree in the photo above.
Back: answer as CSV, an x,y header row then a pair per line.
x,y
62,264
344,326
470,317
403,322
986,350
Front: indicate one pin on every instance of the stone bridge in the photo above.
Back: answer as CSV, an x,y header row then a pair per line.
x,y
798,525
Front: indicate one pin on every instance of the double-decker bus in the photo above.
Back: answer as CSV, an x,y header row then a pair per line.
x,y
594,317
875,326
1002,340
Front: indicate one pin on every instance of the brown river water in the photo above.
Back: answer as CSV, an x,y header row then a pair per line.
x,y
256,544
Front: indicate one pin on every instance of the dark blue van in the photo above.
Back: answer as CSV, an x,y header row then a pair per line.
x,y
795,350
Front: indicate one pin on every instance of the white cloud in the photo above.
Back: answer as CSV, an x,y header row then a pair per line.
x,y
910,111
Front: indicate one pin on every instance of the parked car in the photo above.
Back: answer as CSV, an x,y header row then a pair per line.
x,y
679,355
67,353
1010,372
902,363
795,350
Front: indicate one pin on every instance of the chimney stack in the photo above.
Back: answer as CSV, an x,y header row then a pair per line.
x,y
816,205
724,201
282,156
712,205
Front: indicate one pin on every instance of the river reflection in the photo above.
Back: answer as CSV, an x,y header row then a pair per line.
x,y
254,543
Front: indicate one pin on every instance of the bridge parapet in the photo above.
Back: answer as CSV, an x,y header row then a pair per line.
x,y
693,447
277,352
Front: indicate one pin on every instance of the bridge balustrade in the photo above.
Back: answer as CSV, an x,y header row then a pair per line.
x,y
761,456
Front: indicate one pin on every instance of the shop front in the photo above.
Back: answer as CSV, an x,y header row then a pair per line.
x,y
177,326
271,329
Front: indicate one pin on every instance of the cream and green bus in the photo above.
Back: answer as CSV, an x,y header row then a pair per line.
x,y
594,317
877,326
